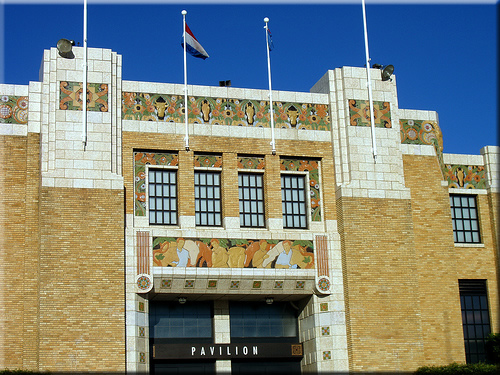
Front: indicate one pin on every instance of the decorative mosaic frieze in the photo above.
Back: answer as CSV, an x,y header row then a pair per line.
x,y
211,161
465,176
13,109
311,166
359,113
141,159
224,111
71,96
420,132
251,163
232,253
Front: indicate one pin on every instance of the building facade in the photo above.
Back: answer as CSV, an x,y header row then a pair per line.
x,y
124,250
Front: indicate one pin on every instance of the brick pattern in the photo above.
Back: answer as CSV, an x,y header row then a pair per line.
x,y
81,280
380,284
12,245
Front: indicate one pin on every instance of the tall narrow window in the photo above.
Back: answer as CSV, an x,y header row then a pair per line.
x,y
293,198
465,219
207,198
251,196
162,189
475,318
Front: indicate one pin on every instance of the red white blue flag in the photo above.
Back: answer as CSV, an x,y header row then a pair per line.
x,y
193,47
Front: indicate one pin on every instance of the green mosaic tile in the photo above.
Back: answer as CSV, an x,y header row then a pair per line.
x,y
224,111
141,306
465,176
189,284
327,355
212,284
13,109
359,113
278,284
166,283
325,331
70,96
251,163
234,284
210,161
323,306
257,284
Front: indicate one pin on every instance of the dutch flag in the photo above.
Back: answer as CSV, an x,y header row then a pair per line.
x,y
193,47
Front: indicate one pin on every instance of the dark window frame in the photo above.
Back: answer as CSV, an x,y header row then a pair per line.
x,y
294,201
251,199
476,321
208,198
157,199
465,219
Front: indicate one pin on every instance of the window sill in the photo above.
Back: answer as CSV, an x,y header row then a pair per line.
x,y
469,245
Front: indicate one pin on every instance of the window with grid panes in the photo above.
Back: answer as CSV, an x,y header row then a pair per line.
x,y
251,198
162,192
207,198
465,218
475,318
293,198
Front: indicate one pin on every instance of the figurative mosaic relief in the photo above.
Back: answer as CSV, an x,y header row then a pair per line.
x,y
71,96
465,176
359,113
232,253
141,159
312,167
13,109
224,111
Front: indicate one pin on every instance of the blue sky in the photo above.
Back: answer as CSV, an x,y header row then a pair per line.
x,y
445,55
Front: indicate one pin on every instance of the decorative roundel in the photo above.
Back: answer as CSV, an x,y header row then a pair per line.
x,y
5,111
324,284
144,283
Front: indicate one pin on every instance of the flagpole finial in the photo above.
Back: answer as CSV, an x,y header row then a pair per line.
x,y
184,12
266,20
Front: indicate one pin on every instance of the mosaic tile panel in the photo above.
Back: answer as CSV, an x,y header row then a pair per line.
x,y
422,132
142,332
141,159
141,307
300,284
327,355
189,284
359,113
465,176
257,284
13,109
70,96
232,253
278,285
325,331
212,284
210,161
166,283
311,166
251,163
224,111
323,306
234,284
142,357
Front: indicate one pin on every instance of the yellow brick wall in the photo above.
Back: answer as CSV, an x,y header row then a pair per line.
x,y
384,331
32,259
12,249
82,280
437,262
229,189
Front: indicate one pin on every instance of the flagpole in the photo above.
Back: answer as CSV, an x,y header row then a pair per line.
x,y
84,83
186,138
372,120
273,142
